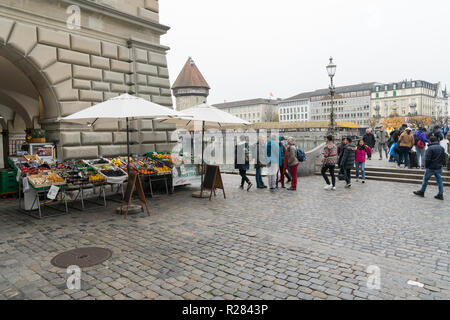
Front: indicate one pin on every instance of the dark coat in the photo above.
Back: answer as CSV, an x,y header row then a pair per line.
x,y
258,148
435,157
369,139
243,150
347,160
437,133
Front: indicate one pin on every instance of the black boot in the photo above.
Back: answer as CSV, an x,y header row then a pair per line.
x,y
439,197
419,193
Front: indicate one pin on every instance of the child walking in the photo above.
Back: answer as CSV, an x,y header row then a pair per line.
x,y
360,159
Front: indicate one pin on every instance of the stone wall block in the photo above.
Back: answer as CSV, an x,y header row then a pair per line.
x,y
146,124
86,45
100,63
68,108
73,57
152,5
6,26
43,56
124,54
109,151
146,69
120,66
145,97
58,72
165,101
158,82
89,95
121,88
112,125
121,137
146,148
109,50
157,59
147,14
148,90
95,138
86,73
163,126
65,92
83,152
166,92
140,55
114,77
109,95
163,72
70,138
54,38
141,79
165,147
82,84
23,38
133,124
148,137
100,86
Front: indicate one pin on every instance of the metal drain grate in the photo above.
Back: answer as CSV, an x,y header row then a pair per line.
x,y
82,257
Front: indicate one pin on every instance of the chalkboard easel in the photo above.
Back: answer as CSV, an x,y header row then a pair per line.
x,y
134,183
212,181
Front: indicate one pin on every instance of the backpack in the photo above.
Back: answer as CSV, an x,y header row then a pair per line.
x,y
301,156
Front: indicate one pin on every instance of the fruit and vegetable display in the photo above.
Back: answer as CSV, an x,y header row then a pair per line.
x,y
46,179
108,170
143,165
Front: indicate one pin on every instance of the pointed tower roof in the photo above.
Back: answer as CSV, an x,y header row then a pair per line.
x,y
190,76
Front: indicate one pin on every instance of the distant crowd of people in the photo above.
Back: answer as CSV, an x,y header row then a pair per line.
x,y
280,155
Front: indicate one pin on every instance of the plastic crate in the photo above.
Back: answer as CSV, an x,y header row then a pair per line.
x,y
8,182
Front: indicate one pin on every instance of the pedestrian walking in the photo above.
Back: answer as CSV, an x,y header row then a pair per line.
x,y
406,141
383,140
370,140
260,150
347,162
360,160
330,158
445,130
242,162
421,140
273,160
292,162
434,161
284,173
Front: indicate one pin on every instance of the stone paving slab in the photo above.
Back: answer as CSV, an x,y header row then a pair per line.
x,y
308,244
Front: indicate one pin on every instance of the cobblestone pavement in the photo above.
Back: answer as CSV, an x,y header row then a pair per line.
x,y
257,245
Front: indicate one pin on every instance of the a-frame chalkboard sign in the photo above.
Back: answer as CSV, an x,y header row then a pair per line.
x,y
134,183
212,181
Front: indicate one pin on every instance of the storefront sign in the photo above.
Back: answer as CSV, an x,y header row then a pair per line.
x,y
186,174
53,192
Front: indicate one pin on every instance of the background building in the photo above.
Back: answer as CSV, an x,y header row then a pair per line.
x,y
351,104
253,111
414,97
190,89
51,69
296,108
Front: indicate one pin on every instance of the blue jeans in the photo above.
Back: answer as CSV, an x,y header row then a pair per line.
x,y
428,174
420,156
361,165
404,153
259,180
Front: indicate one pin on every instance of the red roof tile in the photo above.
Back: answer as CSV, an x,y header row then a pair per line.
x,y
190,76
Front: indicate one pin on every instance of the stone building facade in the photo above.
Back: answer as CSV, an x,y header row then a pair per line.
x,y
56,68
253,110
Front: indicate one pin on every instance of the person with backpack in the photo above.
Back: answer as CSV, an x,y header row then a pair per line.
x,y
330,158
360,159
383,139
370,140
406,142
242,162
292,162
421,140
445,130
347,161
434,161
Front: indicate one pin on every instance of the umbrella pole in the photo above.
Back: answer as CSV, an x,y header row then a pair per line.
x,y
128,148
203,138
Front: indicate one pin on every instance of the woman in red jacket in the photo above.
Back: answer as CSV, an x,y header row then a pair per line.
x,y
360,159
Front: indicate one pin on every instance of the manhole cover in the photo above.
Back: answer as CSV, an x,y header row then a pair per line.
x,y
82,257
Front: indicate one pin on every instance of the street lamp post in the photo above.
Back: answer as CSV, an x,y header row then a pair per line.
x,y
331,69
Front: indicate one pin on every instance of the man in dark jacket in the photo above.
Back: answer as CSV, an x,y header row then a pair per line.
x,y
347,161
369,140
395,135
434,160
437,133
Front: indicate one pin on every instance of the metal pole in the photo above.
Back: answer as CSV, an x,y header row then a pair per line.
x,y
128,148
332,124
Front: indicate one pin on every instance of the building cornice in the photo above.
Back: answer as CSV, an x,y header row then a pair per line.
x,y
135,42
111,12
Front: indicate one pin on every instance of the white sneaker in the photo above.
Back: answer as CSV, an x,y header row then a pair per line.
x,y
333,188
329,187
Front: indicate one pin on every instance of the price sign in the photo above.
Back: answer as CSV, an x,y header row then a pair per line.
x,y
53,192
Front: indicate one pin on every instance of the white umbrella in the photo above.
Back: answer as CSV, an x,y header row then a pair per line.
x,y
210,116
126,107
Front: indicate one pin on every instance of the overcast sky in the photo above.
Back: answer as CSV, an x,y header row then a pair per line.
x,y
249,48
